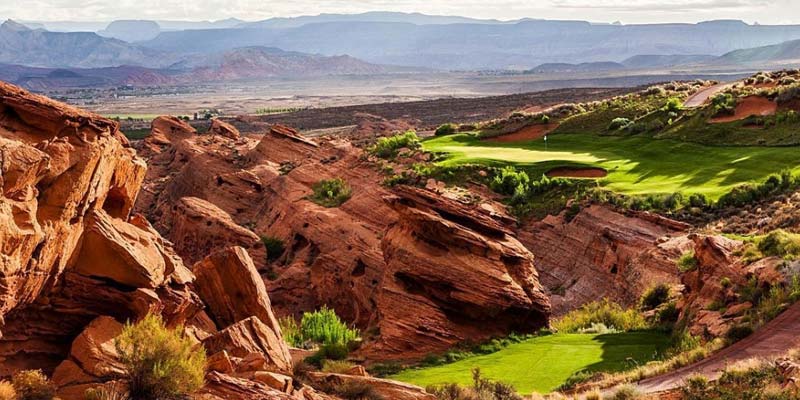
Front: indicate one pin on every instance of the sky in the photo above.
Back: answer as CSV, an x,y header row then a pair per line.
x,y
625,11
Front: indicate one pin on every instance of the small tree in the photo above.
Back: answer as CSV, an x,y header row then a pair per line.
x,y
160,363
446,129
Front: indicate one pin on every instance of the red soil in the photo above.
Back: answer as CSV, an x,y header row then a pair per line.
x,y
752,105
532,132
566,172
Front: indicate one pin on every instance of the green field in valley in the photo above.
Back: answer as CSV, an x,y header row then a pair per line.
x,y
635,165
543,363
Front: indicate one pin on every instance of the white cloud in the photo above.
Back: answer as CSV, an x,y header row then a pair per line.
x,y
767,11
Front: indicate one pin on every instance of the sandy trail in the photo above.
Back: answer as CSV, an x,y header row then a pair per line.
x,y
751,105
699,98
773,340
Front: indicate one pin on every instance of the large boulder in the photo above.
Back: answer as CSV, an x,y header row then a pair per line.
x,y
250,339
384,388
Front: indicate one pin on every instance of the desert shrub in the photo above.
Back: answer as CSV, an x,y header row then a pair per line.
x,y
695,388
106,393
388,147
725,282
625,393
274,246
446,129
337,366
655,296
481,389
619,124
780,243
291,331
604,312
33,385
673,104
788,93
331,192
748,193
160,363
7,391
509,181
324,327
738,332
353,391
333,351
687,262
723,103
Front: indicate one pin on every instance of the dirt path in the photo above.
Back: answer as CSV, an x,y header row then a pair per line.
x,y
774,339
699,98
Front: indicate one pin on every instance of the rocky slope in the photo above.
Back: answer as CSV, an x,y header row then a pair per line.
x,y
76,264
375,259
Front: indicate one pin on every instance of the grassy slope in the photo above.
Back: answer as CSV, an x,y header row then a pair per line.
x,y
543,363
636,165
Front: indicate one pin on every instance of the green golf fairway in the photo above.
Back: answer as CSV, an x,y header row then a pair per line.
x,y
542,364
635,165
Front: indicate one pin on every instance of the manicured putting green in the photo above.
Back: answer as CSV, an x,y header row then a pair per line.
x,y
635,165
542,364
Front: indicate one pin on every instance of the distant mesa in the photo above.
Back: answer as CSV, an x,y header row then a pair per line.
x,y
131,30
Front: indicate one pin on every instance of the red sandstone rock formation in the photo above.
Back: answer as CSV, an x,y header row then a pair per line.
x,y
220,127
601,253
75,264
338,256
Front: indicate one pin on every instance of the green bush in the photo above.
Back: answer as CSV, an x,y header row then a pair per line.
x,y
738,332
723,103
333,351
322,327
160,363
331,192
604,312
33,385
446,129
388,147
509,181
655,296
291,331
673,104
274,246
619,124
687,262
780,243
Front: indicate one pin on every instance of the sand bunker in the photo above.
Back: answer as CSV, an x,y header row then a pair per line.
x,y
749,106
532,132
565,172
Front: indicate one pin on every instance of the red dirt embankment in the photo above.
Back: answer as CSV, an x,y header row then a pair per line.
x,y
751,105
532,132
565,172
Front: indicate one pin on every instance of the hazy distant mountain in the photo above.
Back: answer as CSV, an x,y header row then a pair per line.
x,y
24,46
262,62
240,64
97,26
665,60
486,45
375,16
131,31
582,67
788,52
